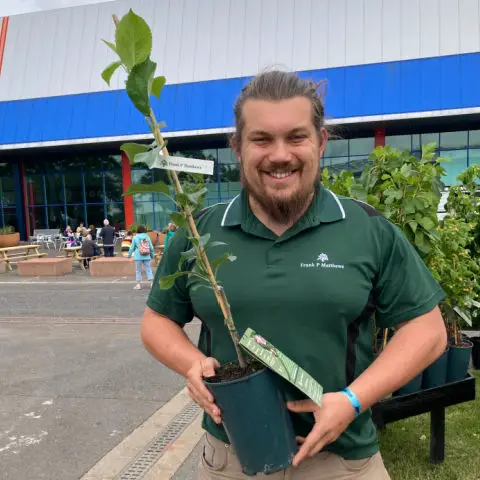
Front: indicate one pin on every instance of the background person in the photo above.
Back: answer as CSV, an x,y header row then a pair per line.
x,y
143,252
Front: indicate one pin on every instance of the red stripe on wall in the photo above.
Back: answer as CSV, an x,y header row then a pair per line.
x,y
3,39
379,137
127,200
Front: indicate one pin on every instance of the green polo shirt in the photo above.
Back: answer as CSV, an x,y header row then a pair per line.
x,y
311,292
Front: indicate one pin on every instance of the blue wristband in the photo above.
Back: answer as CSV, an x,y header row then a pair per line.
x,y
353,400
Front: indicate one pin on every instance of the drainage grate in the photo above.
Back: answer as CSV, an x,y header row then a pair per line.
x,y
155,449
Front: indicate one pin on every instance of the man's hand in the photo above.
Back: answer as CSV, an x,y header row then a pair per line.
x,y
198,391
331,420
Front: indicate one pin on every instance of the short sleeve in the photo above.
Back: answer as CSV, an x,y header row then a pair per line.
x,y
173,303
405,288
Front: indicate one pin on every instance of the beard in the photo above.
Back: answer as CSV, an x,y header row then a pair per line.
x,y
283,211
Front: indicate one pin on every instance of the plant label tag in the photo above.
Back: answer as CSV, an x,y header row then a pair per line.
x,y
274,359
184,164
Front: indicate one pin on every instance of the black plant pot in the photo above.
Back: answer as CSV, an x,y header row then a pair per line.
x,y
459,361
436,374
257,421
476,352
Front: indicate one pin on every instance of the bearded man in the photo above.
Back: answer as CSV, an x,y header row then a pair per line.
x,y
312,270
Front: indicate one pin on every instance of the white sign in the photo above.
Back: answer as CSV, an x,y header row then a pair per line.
x,y
183,164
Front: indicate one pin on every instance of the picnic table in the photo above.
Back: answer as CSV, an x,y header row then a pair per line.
x,y
75,254
9,255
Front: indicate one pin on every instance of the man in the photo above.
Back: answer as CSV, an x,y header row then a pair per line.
x,y
311,270
107,234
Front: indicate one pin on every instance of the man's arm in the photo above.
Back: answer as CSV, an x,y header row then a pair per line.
x,y
416,345
169,344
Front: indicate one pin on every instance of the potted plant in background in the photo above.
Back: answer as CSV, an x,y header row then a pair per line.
x,y
8,237
259,428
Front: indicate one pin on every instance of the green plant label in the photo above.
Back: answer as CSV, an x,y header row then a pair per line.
x,y
273,358
182,164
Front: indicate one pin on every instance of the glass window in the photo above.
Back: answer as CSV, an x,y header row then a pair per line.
x,y
144,213
336,148
116,216
91,163
142,177
207,154
6,169
457,164
112,162
10,218
453,140
416,142
36,218
337,164
162,214
73,188
34,166
357,164
94,187
362,146
56,218
34,187
401,142
55,165
7,191
226,155
474,138
76,215
230,173
113,186
429,138
95,215
474,157
54,188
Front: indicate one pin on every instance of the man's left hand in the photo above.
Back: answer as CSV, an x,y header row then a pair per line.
x,y
331,420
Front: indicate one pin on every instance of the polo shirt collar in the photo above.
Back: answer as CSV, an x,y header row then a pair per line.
x,y
325,208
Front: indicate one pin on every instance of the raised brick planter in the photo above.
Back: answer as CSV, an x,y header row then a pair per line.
x,y
112,267
3,267
38,267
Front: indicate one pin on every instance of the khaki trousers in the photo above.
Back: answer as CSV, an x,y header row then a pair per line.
x,y
218,462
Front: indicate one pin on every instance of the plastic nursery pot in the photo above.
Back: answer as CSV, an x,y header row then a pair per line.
x,y
412,386
459,360
257,421
476,352
436,374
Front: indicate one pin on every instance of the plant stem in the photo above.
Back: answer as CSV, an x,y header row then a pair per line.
x,y
192,228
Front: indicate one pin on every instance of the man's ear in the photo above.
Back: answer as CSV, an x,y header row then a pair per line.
x,y
323,140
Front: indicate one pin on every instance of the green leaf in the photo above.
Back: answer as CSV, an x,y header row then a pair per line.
x,y
182,199
157,85
168,281
216,244
199,284
133,149
109,71
421,243
133,39
413,225
157,187
178,219
466,318
427,223
139,84
187,256
111,45
149,158
203,240
196,196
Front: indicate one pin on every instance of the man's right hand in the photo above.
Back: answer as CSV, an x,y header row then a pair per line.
x,y
197,389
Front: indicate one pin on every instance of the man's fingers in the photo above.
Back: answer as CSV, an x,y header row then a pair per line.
x,y
300,440
310,446
208,367
302,406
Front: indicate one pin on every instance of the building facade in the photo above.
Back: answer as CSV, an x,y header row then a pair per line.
x,y
401,72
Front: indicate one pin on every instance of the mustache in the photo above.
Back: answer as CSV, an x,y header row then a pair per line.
x,y
274,167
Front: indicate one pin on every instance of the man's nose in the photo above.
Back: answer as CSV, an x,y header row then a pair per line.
x,y
280,151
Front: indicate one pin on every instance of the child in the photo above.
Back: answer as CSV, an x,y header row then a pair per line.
x,y
143,249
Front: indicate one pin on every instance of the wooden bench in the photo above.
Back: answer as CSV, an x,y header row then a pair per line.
x,y
12,255
39,267
433,400
112,267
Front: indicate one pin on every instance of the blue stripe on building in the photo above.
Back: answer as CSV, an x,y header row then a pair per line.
x,y
377,89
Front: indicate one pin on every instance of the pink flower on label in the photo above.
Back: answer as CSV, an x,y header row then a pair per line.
x,y
260,340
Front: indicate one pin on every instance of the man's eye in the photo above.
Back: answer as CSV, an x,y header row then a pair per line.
x,y
298,138
259,140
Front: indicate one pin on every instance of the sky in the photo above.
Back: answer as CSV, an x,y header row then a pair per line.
x,y
16,7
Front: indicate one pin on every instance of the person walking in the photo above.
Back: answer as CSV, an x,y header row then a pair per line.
x,y
312,270
107,234
143,252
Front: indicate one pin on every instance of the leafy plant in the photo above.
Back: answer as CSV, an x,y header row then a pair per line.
x,y
6,230
133,46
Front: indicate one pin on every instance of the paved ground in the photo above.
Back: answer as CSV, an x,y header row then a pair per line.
x,y
74,377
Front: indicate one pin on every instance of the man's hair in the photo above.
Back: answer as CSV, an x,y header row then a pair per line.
x,y
106,222
141,229
278,85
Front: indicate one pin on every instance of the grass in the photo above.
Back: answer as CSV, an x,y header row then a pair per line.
x,y
405,445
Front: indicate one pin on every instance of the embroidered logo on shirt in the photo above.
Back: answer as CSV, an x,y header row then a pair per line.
x,y
321,262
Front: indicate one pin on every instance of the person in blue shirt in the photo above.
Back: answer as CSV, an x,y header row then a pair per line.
x,y
143,252
171,229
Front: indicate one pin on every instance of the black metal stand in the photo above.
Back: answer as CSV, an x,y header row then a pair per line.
x,y
433,400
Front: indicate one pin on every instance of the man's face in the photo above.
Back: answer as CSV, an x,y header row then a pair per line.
x,y
280,154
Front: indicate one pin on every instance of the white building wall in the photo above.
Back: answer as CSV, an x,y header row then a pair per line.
x,y
60,52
